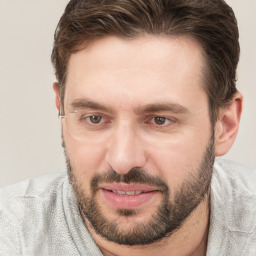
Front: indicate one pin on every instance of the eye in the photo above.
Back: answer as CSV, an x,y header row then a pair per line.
x,y
94,119
159,120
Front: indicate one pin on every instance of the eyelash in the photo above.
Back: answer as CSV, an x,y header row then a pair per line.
x,y
88,117
149,120
166,121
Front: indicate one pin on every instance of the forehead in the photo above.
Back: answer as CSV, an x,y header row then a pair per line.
x,y
145,69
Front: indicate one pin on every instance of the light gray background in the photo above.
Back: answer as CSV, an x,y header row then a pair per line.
x,y
29,127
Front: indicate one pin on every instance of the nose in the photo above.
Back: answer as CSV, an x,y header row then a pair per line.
x,y
125,150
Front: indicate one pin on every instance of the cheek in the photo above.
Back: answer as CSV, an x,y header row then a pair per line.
x,y
174,159
170,161
86,159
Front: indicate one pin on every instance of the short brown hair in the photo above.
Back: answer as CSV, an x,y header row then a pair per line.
x,y
211,22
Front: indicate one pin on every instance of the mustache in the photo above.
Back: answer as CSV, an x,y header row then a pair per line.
x,y
134,176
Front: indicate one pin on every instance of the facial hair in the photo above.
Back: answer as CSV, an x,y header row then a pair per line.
x,y
169,216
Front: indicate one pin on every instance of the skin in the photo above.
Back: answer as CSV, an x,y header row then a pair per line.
x,y
126,76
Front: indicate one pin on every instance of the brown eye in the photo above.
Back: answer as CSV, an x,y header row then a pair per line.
x,y
95,119
159,120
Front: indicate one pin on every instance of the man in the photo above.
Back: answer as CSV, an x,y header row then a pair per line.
x,y
147,98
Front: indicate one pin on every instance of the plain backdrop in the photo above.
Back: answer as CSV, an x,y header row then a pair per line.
x,y
30,143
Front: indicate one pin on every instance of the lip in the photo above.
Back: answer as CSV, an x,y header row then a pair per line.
x,y
128,187
128,201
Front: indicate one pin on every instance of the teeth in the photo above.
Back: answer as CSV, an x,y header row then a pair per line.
x,y
127,193
130,193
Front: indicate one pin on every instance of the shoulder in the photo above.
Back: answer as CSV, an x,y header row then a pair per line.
x,y
35,187
234,185
233,209
233,190
233,177
32,217
28,196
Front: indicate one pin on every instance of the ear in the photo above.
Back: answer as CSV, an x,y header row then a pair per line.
x,y
226,127
57,95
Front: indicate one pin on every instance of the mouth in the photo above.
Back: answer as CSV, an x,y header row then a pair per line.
x,y
127,193
126,196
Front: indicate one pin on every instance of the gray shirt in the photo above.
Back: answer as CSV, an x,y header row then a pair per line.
x,y
40,216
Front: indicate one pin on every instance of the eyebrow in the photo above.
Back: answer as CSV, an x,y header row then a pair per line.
x,y
86,103
148,108
165,106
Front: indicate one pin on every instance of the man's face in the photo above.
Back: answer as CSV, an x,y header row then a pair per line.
x,y
140,146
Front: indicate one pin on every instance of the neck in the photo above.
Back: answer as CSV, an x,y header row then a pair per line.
x,y
189,240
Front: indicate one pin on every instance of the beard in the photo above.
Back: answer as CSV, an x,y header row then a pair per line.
x,y
168,217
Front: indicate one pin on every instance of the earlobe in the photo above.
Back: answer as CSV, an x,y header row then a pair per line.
x,y
57,95
226,127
